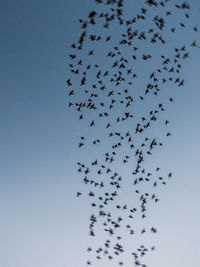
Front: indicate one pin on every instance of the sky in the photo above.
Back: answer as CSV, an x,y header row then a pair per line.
x,y
42,223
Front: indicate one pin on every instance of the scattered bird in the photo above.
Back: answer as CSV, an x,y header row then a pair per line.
x,y
102,88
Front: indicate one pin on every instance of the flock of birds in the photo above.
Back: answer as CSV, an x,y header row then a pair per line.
x,y
120,70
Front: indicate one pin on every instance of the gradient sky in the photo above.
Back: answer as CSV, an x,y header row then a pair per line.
x,y
42,223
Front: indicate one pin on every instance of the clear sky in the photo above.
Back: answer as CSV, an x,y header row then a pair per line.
x,y
42,223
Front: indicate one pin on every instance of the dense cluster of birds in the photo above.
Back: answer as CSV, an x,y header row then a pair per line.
x,y
121,70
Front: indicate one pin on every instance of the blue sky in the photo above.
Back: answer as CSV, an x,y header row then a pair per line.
x,y
42,223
